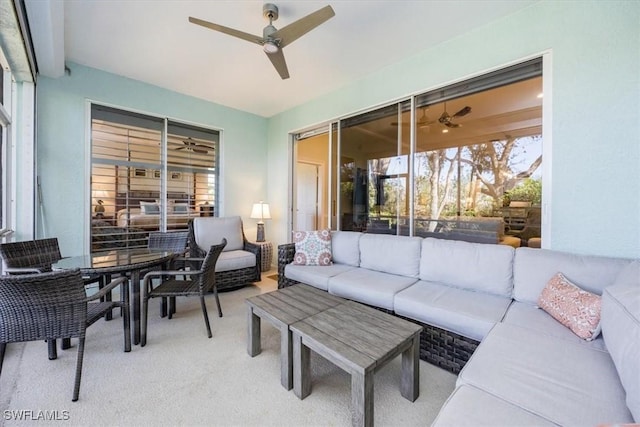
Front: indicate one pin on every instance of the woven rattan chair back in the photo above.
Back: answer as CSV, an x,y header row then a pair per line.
x,y
44,306
173,241
208,277
39,254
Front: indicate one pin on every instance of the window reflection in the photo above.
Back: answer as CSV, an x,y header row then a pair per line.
x,y
475,172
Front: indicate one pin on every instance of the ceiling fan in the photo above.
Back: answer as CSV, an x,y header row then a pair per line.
x,y
191,145
273,40
446,119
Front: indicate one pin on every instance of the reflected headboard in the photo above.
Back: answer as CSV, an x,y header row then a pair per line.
x,y
134,198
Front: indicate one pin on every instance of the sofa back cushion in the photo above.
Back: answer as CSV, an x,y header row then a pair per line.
x,y
477,266
390,254
621,331
210,231
533,268
345,248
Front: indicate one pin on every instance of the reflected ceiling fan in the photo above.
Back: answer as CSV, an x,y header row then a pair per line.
x,y
274,40
191,145
423,121
446,119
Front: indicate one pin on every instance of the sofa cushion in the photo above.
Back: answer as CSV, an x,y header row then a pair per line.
x,y
533,268
621,331
464,312
235,260
345,248
210,231
470,406
477,266
316,276
575,308
569,384
390,254
369,286
529,316
312,247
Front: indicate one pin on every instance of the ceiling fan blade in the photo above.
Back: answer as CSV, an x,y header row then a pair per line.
x,y
302,26
277,59
466,110
452,125
226,30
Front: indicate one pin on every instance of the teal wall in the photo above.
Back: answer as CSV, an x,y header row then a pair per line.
x,y
593,194
593,157
63,162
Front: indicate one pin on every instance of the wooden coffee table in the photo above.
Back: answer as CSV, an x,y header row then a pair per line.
x,y
282,308
359,340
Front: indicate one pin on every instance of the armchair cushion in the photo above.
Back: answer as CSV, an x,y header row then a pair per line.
x,y
235,260
210,231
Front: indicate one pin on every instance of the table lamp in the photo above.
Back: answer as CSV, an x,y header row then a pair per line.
x,y
260,212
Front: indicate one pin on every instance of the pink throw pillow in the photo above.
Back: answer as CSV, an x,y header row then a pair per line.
x,y
575,308
312,247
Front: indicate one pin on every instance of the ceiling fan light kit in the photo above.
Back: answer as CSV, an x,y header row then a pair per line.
x,y
274,40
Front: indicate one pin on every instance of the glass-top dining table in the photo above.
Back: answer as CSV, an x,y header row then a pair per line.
x,y
125,262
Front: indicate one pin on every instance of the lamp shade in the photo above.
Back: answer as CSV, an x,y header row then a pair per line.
x,y
260,211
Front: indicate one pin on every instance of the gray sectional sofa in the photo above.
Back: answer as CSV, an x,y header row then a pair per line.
x,y
516,364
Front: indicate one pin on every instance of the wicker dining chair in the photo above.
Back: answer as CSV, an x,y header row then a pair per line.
x,y
30,256
47,306
200,283
176,242
38,256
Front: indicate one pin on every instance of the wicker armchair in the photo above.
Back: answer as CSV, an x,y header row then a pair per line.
x,y
54,305
239,263
200,283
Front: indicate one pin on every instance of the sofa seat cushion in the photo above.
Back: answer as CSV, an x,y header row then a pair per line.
x,y
470,406
567,383
391,254
529,316
316,276
370,287
235,260
533,268
476,266
621,331
464,312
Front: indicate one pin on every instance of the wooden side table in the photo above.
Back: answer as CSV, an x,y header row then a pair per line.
x,y
266,255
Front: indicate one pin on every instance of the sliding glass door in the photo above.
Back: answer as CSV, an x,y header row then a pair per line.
x,y
462,162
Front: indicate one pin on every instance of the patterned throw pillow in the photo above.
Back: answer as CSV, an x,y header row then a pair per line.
x,y
312,247
575,308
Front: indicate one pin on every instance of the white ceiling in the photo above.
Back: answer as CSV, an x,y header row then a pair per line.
x,y
152,41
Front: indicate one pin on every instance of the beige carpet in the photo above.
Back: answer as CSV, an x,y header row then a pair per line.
x,y
183,378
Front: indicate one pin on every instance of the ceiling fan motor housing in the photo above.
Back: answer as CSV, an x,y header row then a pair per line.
x,y
270,11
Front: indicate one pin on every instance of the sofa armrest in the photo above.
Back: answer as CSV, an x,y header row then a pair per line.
x,y
286,252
